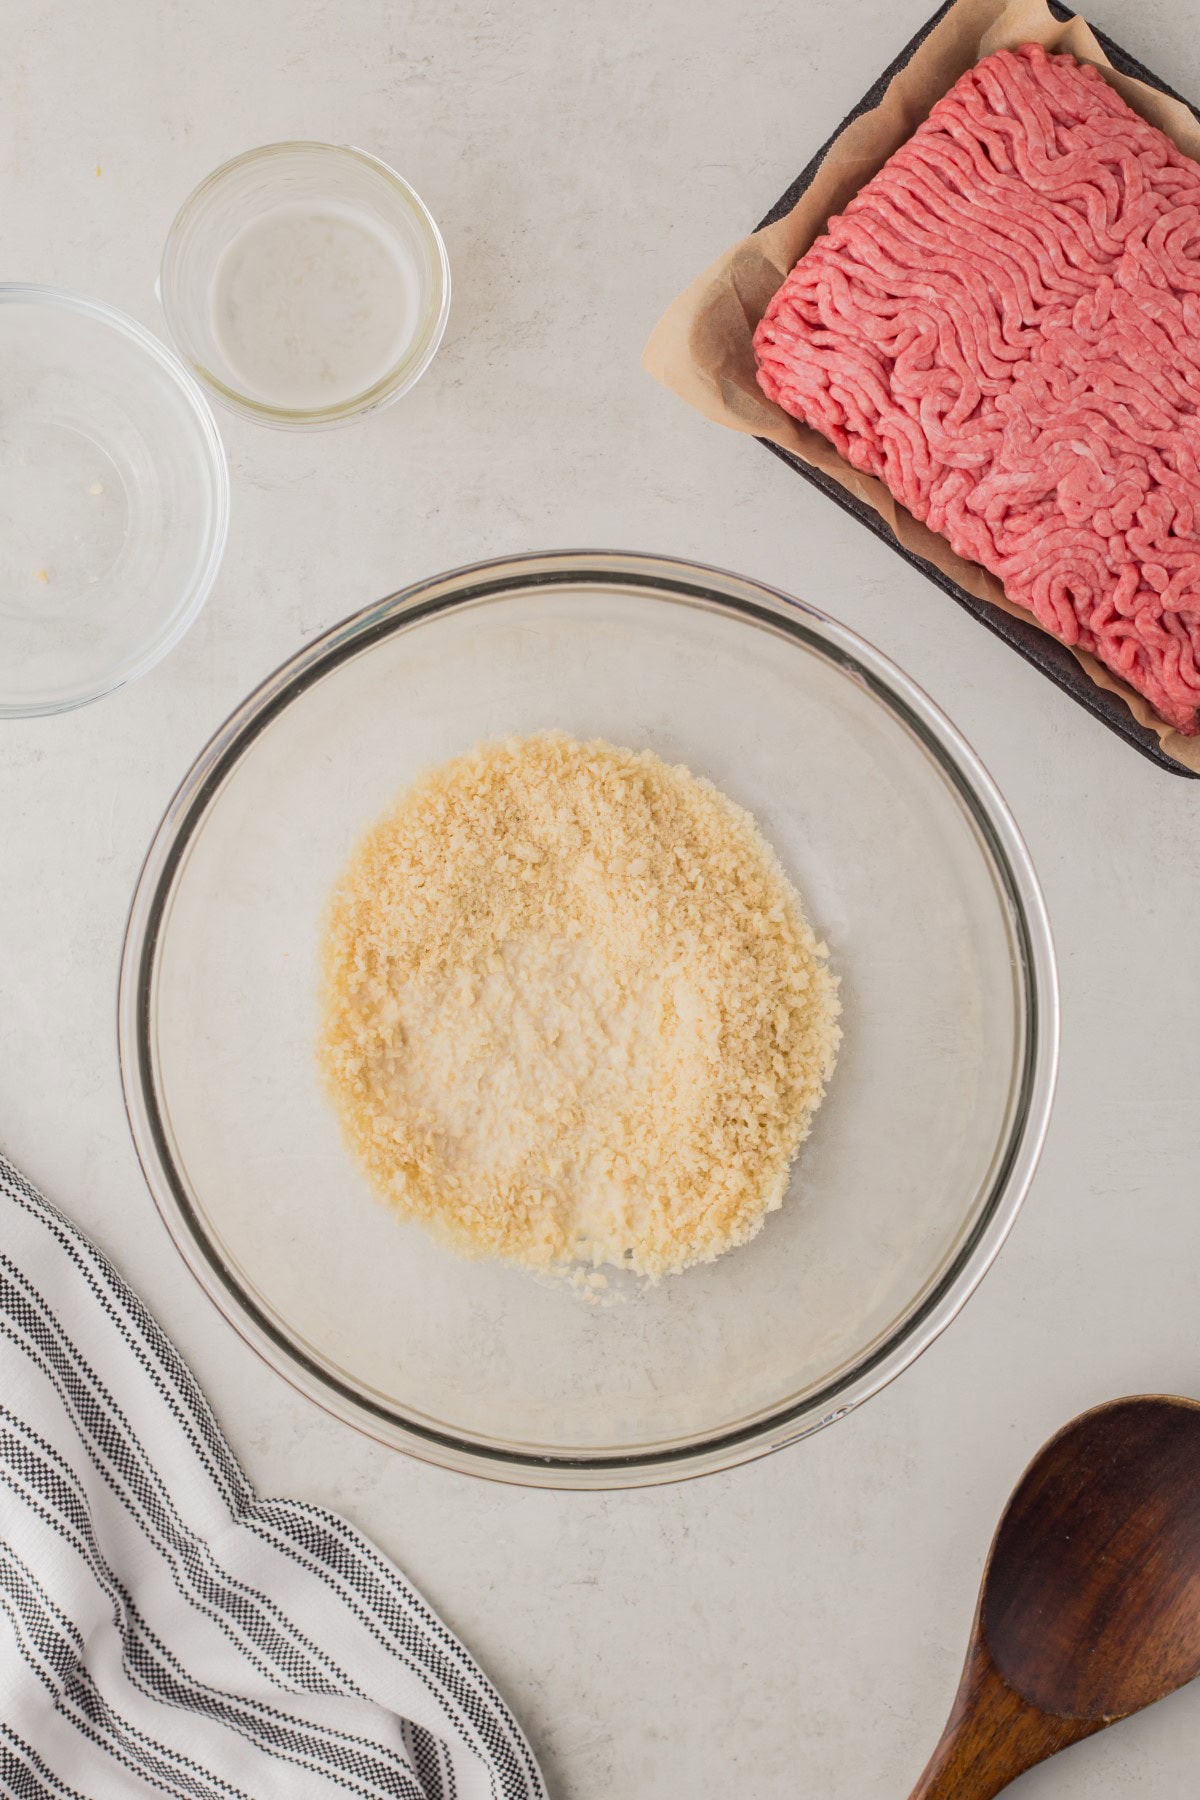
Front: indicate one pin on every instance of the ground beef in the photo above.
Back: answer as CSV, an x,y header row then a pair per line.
x,y
1004,327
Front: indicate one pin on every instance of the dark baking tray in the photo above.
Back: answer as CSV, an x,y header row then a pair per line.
x,y
1045,653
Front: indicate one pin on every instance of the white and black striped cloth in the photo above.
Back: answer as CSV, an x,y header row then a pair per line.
x,y
162,1629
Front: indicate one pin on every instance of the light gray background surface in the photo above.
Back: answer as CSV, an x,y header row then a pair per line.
x,y
794,1628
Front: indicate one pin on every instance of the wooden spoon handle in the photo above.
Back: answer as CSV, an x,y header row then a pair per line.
x,y
992,1736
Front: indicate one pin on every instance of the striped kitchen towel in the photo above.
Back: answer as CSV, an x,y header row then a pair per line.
x,y
162,1629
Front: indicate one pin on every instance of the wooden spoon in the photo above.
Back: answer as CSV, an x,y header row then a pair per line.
x,y
1090,1604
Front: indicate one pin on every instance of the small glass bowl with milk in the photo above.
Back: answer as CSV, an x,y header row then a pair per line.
x,y
305,284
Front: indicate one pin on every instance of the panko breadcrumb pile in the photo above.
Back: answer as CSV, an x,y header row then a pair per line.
x,y
573,1013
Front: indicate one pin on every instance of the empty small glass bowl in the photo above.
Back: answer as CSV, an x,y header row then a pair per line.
x,y
305,284
114,500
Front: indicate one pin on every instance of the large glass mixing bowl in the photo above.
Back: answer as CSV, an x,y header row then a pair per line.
x,y
909,864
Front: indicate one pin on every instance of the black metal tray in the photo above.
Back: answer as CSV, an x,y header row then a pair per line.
x,y
1045,653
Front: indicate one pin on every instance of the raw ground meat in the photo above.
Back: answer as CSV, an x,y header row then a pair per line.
x,y
1004,327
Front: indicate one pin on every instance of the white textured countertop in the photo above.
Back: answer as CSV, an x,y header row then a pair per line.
x,y
794,1628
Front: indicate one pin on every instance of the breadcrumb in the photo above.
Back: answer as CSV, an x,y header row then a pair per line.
x,y
573,1013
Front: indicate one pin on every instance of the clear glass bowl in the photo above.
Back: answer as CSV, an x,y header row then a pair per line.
x,y
910,865
261,184
114,500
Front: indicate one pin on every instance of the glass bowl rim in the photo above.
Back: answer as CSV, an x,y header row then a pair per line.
x,y
208,566
1038,1009
397,380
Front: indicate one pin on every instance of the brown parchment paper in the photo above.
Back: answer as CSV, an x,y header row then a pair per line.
x,y
701,348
